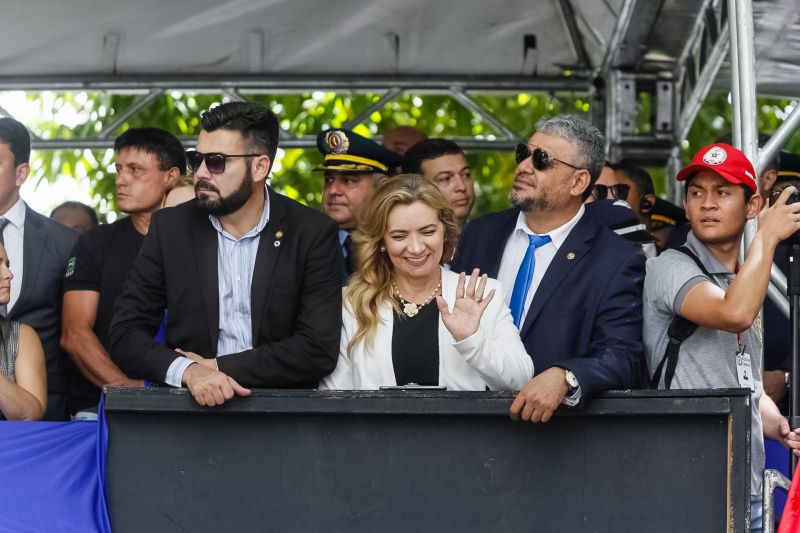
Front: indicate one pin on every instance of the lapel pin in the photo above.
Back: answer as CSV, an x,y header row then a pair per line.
x,y
278,234
276,243
570,256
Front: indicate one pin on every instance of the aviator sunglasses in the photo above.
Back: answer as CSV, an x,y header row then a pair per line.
x,y
541,159
215,161
619,191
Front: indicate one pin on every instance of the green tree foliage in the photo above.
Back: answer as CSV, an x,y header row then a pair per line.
x,y
300,114
715,119
82,115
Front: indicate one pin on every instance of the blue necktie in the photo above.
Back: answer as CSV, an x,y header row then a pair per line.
x,y
524,277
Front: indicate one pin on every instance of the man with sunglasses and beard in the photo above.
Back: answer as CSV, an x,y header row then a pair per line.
x,y
577,286
254,299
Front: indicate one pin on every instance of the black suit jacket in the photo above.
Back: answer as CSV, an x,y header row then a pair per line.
x,y
586,314
46,247
295,298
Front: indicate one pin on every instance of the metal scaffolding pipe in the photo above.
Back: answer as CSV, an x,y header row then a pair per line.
x,y
779,279
234,95
733,31
772,480
705,81
128,113
748,125
779,299
674,190
387,97
464,99
779,138
286,143
291,84
743,89
745,131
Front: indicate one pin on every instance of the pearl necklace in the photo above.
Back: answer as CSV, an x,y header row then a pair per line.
x,y
410,308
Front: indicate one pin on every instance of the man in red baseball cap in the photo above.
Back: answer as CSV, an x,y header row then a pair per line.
x,y
702,286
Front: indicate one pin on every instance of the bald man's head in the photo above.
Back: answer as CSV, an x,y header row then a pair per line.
x,y
401,138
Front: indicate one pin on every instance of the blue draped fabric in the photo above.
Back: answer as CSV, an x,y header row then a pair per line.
x,y
52,477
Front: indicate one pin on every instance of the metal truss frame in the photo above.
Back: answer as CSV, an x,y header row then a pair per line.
x,y
460,90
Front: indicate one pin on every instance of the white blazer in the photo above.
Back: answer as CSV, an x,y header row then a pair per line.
x,y
493,356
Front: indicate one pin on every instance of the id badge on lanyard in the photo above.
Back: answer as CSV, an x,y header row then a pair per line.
x,y
744,363
744,369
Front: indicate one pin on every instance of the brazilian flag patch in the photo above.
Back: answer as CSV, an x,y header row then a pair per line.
x,y
70,267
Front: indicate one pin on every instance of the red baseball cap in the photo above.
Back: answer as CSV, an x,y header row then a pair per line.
x,y
726,161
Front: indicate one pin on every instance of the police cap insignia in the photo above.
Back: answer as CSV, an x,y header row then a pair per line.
x,y
336,142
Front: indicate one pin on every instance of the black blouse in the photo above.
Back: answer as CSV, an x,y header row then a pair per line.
x,y
415,346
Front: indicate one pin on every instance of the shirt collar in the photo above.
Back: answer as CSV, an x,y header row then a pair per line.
x,y
558,235
255,231
705,256
343,234
16,215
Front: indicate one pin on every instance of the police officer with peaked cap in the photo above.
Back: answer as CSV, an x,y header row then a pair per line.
x,y
352,167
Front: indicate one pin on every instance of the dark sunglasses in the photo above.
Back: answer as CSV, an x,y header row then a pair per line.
x,y
215,161
541,159
619,191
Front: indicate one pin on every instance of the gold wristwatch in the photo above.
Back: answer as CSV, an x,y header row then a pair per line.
x,y
572,381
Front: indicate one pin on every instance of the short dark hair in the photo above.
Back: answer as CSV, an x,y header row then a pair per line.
x,y
427,150
16,136
638,175
77,205
257,124
163,145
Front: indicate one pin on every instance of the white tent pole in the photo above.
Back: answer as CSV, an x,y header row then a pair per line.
x,y
745,58
736,126
743,87
745,128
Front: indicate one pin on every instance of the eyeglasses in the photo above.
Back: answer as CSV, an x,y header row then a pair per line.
x,y
619,191
215,161
541,159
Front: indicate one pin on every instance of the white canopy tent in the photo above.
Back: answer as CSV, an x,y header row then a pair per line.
x,y
616,50
104,40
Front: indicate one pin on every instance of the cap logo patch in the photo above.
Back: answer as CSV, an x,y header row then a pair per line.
x,y
716,156
336,142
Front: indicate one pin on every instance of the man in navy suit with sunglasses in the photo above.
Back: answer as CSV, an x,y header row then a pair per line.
x,y
577,286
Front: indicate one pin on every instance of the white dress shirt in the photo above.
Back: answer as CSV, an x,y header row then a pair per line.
x,y
13,235
514,253
236,261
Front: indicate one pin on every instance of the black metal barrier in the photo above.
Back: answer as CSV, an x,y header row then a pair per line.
x,y
397,461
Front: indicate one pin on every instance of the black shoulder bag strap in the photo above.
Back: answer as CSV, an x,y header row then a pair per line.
x,y
679,330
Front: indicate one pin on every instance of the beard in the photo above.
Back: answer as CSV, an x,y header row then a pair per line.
x,y
224,205
527,205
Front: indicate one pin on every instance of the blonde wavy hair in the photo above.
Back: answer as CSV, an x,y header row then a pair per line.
x,y
371,285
